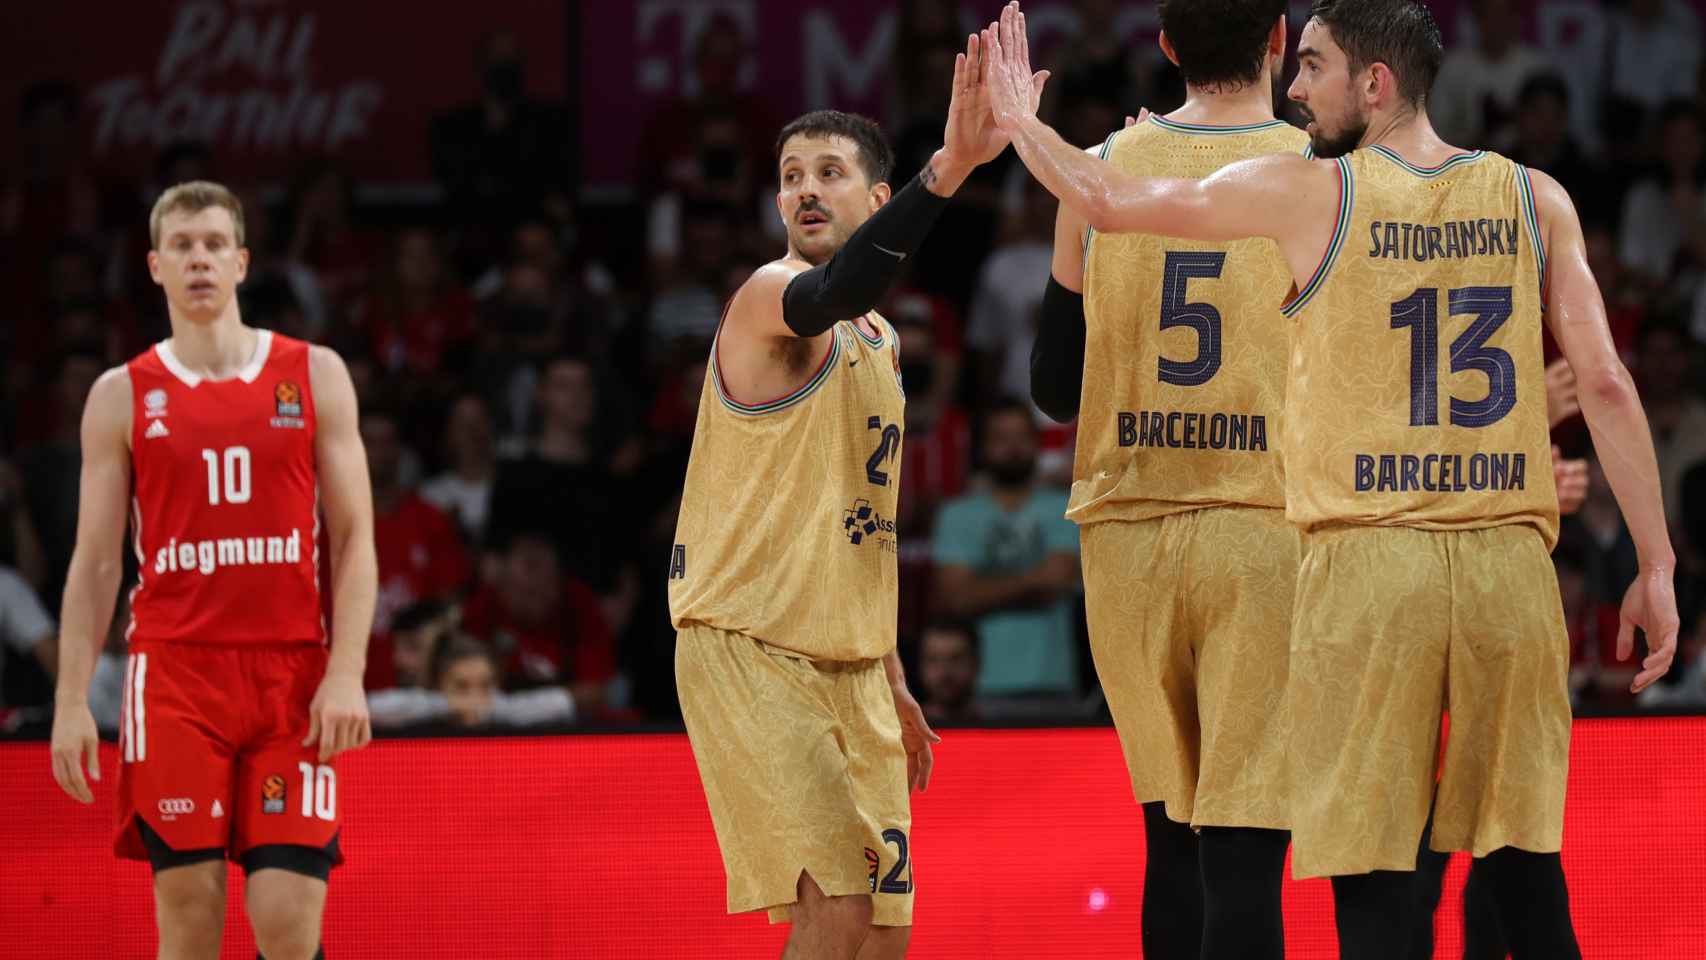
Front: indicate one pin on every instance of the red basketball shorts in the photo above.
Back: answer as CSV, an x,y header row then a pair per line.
x,y
211,749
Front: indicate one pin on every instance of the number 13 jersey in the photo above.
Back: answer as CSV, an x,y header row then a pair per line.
x,y
787,528
1185,348
1417,393
225,505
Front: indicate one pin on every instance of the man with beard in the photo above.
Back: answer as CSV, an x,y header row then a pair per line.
x,y
782,577
1426,509
1008,558
1189,563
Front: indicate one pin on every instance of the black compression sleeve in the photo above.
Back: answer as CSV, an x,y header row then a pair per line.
x,y
853,281
1057,354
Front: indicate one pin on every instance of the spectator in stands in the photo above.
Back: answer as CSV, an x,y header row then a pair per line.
x,y
1476,96
1098,64
947,672
689,302
938,448
1665,369
544,626
1009,294
418,316
1654,55
327,238
1664,216
572,484
26,632
1626,303
420,553
1688,691
51,469
504,155
20,547
286,288
1009,558
464,491
464,690
1542,141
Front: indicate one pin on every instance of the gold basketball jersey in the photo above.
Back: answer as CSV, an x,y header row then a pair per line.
x,y
1417,394
1185,349
787,527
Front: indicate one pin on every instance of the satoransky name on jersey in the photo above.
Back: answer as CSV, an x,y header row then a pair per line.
x,y
206,556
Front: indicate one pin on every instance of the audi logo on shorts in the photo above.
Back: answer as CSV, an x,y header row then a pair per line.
x,y
177,806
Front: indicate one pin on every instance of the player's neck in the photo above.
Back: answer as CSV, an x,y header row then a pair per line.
x,y
214,350
1216,107
1409,134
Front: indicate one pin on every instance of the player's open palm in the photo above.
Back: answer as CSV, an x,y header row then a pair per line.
x,y
337,719
1012,89
1651,605
74,743
916,736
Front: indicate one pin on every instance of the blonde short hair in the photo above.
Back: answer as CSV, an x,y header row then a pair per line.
x,y
194,197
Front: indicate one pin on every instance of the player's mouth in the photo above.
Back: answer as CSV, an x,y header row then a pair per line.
x,y
200,288
811,218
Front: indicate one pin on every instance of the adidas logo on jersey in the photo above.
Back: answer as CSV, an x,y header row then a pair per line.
x,y
156,430
218,811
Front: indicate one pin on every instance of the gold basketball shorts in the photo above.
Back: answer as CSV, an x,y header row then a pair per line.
x,y
1393,627
803,769
1189,616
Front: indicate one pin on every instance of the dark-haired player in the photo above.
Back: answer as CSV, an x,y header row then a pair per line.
x,y
222,445
782,583
1416,461
1172,356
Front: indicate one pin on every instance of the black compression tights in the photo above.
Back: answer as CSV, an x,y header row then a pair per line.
x,y
1533,904
1242,870
1373,912
1172,888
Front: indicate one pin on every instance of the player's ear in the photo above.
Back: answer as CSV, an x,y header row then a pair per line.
x,y
880,195
154,266
1277,38
242,264
1167,48
1380,84
781,213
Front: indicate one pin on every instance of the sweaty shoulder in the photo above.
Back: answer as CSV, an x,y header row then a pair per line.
x,y
1551,201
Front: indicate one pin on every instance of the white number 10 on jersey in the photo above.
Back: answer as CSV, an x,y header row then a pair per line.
x,y
319,791
236,475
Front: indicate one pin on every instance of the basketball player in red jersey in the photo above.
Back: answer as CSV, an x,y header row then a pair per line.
x,y
223,444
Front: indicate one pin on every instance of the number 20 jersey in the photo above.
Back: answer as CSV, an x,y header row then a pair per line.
x,y
787,527
225,500
1417,392
1185,348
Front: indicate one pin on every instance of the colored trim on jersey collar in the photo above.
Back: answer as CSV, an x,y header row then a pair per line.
x,y
1525,189
191,379
875,344
1090,232
1341,229
784,401
1428,172
1211,129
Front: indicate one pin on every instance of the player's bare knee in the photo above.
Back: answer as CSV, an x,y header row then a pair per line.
x,y
191,895
284,911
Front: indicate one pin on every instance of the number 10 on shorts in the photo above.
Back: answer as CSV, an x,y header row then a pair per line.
x,y
319,791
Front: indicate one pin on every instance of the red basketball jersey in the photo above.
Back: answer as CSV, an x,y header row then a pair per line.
x,y
225,510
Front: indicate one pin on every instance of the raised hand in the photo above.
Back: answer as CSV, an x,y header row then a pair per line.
x,y
971,137
1013,90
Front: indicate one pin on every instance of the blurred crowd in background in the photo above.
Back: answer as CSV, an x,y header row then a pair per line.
x,y
529,363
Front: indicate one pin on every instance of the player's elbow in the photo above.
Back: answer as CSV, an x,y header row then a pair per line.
x,y
1608,386
1102,214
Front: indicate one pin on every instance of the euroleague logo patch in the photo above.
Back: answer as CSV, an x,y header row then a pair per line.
x,y
287,401
272,794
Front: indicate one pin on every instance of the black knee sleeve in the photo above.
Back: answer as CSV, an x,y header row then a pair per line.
x,y
1532,902
1172,888
1242,871
1371,910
